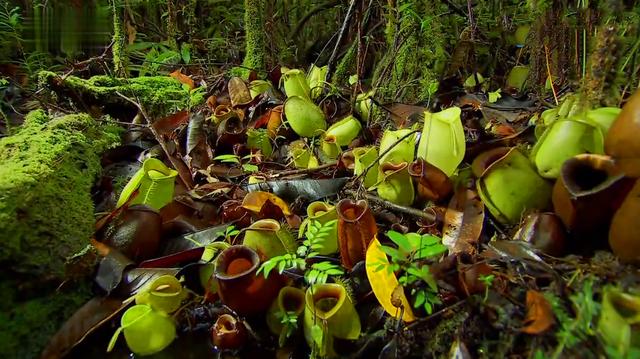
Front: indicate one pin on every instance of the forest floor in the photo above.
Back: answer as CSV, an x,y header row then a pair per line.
x,y
255,188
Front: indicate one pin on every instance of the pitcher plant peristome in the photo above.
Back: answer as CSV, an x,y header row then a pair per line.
x,y
329,306
588,192
238,285
442,141
431,183
164,294
290,299
345,130
356,228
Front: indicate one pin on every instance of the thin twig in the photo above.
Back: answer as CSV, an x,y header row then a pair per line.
x,y
304,170
177,164
553,88
345,25
430,217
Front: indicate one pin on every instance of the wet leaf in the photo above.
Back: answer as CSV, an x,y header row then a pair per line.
x,y
405,115
463,222
167,125
539,316
384,283
199,154
308,189
238,92
178,75
256,202
111,270
83,322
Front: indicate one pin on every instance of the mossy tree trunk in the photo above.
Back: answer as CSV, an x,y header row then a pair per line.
x,y
416,55
254,26
119,49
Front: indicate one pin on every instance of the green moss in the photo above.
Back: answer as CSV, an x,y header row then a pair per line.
x,y
346,67
254,35
417,55
47,169
25,327
119,49
159,95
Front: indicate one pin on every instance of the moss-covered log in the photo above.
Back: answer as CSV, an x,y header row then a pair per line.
x,y
47,170
159,95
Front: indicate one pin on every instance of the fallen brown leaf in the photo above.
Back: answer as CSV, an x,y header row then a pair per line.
x,y
183,79
463,222
539,316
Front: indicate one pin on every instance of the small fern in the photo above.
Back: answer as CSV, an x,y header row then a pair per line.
x,y
317,273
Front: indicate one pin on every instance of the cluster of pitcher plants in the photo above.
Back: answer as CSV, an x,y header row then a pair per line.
x,y
295,273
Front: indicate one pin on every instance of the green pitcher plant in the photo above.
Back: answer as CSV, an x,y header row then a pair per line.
x,y
395,183
268,238
363,158
221,113
304,117
401,152
322,212
442,141
315,79
619,319
164,294
145,330
257,87
329,313
364,105
301,155
289,300
329,148
258,139
154,183
563,140
295,84
518,77
345,130
509,185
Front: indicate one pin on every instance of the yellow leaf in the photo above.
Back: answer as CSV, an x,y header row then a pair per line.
x,y
254,201
384,282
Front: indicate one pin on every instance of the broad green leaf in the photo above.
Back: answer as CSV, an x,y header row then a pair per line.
x,y
400,239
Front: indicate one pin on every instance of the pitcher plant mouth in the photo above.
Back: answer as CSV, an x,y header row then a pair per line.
x,y
270,225
291,299
325,300
316,209
236,262
389,168
351,211
588,174
485,161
